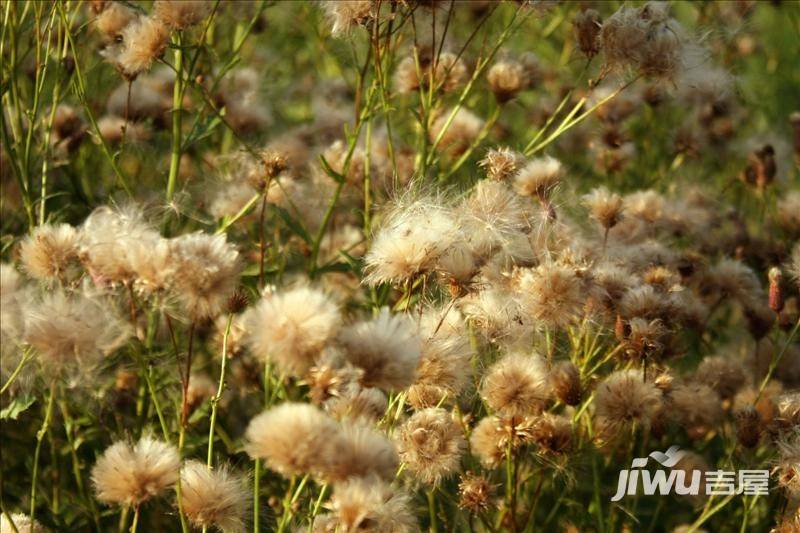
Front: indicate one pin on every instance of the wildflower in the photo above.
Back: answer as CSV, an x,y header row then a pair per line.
x,y
501,164
539,178
387,349
181,14
517,385
493,436
506,78
551,294
292,327
645,339
21,524
214,497
413,237
50,252
605,207
75,330
370,505
475,493
128,475
748,427
587,27
294,438
207,273
566,383
430,445
624,397
345,14
449,73
735,280
144,41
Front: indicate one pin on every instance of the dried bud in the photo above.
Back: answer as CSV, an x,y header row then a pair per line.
x,y
238,301
587,27
748,427
620,329
475,493
761,168
775,296
567,383
274,163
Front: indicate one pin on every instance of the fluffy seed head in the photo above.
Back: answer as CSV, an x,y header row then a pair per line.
x,y
696,407
214,497
501,164
180,14
722,373
50,252
517,385
144,41
552,433
551,294
292,327
566,383
456,136
506,78
128,475
370,505
360,451
113,20
294,438
788,467
475,493
539,177
387,349
207,271
587,27
346,14
73,331
604,206
623,397
22,524
430,444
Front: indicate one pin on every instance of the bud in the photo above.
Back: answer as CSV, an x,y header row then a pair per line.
x,y
620,329
748,427
274,163
566,382
775,297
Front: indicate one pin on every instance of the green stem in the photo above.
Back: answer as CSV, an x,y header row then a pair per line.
x,y
135,522
177,114
39,438
432,509
27,356
220,387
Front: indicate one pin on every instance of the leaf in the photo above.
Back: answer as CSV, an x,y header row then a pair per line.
x,y
293,225
338,178
18,405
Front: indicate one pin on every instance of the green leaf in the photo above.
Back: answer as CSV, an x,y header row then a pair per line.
x,y
293,225
18,405
338,178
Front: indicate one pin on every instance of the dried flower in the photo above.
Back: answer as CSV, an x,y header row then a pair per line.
x,y
475,493
387,349
207,273
292,327
345,14
604,206
111,22
371,506
501,164
181,14
21,524
696,407
552,433
214,497
517,385
624,397
456,135
539,178
430,444
748,427
722,373
144,41
360,451
506,78
50,252
128,475
551,294
294,438
565,380
587,27
73,331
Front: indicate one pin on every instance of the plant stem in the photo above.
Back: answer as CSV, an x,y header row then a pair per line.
x,y
27,356
432,509
177,109
135,522
220,387
39,438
